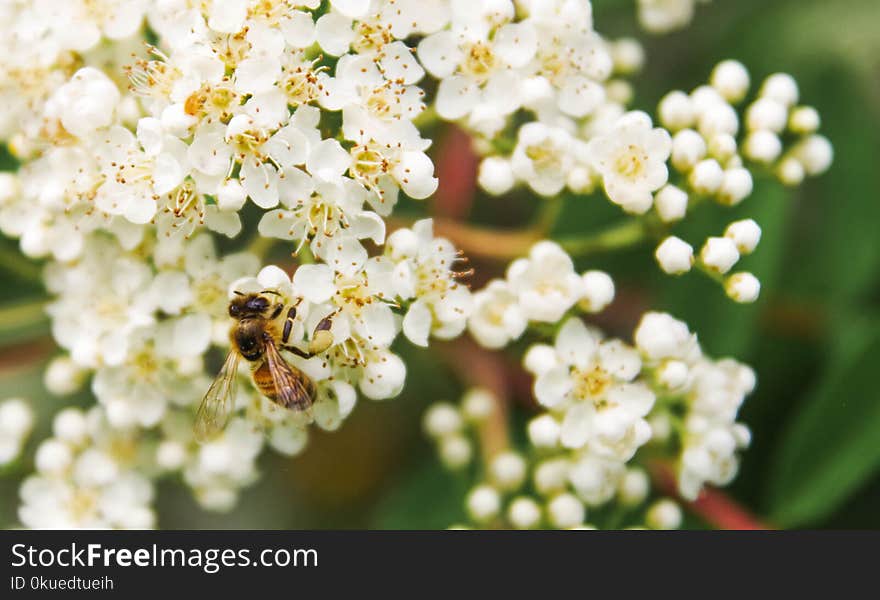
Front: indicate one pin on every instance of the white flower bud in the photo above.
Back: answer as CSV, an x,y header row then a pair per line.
x,y
551,476
661,427
763,146
619,91
455,451
766,113
539,358
722,147
442,419
742,287
718,119
566,511
736,185
671,203
477,404
790,171
217,499
524,513
16,418
664,514
495,175
673,374
634,487
675,255
483,503
53,456
676,111
231,195
63,376
706,176
688,148
628,55
745,234
731,79
170,455
816,154
598,291
544,431
70,425
804,120
781,87
508,470
705,97
719,254
580,180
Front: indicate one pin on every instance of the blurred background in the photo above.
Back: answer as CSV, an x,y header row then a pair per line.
x,y
813,337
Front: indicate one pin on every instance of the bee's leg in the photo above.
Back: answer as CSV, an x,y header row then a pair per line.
x,y
288,324
322,338
297,351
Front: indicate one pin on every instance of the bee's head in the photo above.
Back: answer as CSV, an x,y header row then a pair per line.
x,y
243,306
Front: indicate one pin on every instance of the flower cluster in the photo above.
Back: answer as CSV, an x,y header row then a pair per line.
x,y
538,289
167,149
608,410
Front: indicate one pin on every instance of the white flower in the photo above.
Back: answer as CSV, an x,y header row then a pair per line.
x,y
545,282
423,271
632,161
591,382
87,103
542,157
477,73
497,318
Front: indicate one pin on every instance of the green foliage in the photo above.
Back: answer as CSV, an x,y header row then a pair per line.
x,y
831,448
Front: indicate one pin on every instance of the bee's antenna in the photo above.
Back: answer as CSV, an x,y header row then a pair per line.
x,y
237,293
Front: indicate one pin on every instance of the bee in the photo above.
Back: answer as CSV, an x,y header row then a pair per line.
x,y
263,324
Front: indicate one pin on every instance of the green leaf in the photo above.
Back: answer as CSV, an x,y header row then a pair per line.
x,y
431,498
831,447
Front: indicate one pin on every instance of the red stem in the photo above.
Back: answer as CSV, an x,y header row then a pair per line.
x,y
713,506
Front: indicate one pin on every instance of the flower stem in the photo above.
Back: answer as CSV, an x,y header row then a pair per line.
x,y
713,506
623,235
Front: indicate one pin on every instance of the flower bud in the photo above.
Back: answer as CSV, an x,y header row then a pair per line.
x,y
719,254
731,79
675,255
742,287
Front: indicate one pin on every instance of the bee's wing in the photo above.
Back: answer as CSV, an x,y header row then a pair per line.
x,y
293,388
218,401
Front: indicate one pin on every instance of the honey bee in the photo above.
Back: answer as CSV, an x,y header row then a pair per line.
x,y
263,324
